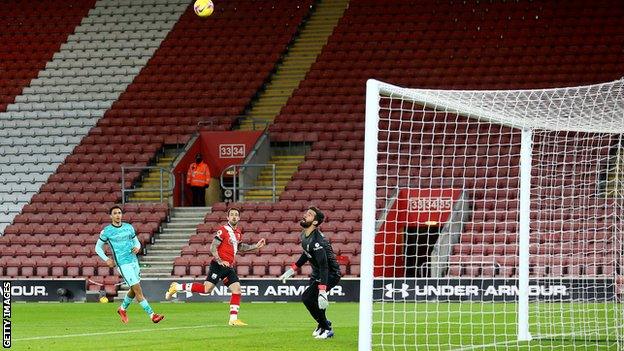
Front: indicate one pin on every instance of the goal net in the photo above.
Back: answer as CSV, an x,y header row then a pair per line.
x,y
492,220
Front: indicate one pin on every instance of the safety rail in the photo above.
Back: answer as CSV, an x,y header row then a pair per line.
x,y
258,123
240,180
161,189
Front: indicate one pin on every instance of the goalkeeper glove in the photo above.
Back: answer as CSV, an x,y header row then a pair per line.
x,y
289,273
323,301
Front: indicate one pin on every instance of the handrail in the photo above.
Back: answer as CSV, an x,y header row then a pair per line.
x,y
240,185
262,140
160,189
262,123
384,212
216,121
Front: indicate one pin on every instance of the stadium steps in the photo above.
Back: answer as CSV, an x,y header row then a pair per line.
x,y
158,263
152,180
285,167
175,234
297,62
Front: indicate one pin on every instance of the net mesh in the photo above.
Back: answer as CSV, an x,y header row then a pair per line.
x,y
448,194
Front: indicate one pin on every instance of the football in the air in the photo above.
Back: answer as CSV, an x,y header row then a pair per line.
x,y
203,8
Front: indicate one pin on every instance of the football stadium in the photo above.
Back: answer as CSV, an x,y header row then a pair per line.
x,y
319,174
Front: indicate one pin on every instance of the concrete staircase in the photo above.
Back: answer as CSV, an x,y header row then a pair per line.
x,y
285,167
296,63
158,263
152,180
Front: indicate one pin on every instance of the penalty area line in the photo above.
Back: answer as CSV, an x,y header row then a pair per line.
x,y
113,332
476,347
535,338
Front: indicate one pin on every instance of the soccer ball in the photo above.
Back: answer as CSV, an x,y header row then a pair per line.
x,y
203,8
103,299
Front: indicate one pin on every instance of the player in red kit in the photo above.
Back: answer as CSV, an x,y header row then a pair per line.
x,y
224,247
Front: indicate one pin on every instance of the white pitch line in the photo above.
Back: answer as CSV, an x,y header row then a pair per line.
x,y
112,332
545,336
485,345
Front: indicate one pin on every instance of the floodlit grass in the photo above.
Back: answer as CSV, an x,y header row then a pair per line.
x,y
281,326
187,326
492,326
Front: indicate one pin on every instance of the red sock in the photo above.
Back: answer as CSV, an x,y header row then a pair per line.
x,y
194,287
234,304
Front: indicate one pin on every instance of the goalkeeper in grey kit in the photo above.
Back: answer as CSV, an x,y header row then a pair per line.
x,y
325,270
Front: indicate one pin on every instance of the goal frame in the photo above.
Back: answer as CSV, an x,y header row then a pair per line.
x,y
374,89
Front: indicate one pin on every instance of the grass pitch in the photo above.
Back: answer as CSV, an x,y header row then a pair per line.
x,y
480,326
187,326
281,326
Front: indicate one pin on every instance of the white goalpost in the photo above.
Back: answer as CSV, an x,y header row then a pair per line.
x,y
492,220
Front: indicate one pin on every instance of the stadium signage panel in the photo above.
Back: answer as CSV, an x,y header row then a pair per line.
x,y
255,290
47,290
492,289
232,150
399,289
25,290
430,204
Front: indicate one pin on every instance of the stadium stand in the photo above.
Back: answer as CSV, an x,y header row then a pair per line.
x,y
150,99
95,69
74,89
473,46
28,43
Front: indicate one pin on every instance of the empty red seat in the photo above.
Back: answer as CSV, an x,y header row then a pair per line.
x,y
276,265
190,250
288,249
72,269
43,267
57,267
28,267
306,270
203,250
180,265
196,266
95,284
89,266
259,268
11,267
243,265
506,271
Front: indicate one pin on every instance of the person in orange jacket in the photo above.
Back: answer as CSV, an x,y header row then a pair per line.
x,y
198,177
